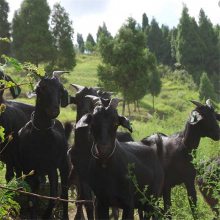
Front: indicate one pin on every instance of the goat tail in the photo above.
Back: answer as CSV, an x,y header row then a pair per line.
x,y
68,127
159,143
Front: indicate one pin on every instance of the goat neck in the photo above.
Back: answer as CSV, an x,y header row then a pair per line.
x,y
191,137
41,121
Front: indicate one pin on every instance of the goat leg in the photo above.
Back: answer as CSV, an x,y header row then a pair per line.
x,y
64,171
167,201
102,210
191,191
34,185
53,180
9,175
128,213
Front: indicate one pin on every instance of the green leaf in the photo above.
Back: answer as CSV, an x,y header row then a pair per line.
x,y
5,39
2,134
13,62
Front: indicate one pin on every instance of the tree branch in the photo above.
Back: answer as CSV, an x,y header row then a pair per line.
x,y
20,190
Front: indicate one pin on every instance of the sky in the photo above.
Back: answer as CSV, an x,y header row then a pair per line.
x,y
88,15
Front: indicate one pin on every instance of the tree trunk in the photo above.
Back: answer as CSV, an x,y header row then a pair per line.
x,y
153,104
138,107
123,107
129,111
135,106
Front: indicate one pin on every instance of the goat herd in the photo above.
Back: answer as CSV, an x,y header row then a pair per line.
x,y
102,162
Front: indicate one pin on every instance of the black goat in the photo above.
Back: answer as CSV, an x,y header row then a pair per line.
x,y
83,106
43,145
104,162
178,147
14,117
208,180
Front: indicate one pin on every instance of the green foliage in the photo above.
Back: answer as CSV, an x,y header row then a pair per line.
x,y
9,208
90,43
13,62
2,134
166,57
206,89
102,32
208,175
209,37
81,44
154,84
127,60
180,76
107,77
4,28
145,199
32,40
62,32
155,39
173,45
145,23
188,43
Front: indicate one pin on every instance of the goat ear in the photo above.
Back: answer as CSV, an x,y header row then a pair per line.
x,y
218,116
195,117
124,122
84,121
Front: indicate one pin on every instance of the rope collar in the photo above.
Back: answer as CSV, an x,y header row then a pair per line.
x,y
40,129
95,155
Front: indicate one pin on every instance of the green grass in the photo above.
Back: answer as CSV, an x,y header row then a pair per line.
x,y
172,109
85,71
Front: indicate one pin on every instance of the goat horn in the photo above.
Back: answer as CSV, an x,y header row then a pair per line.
x,y
111,93
114,102
106,92
77,87
209,103
95,100
58,73
97,88
198,104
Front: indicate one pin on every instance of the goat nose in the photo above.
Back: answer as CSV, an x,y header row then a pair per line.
x,y
103,150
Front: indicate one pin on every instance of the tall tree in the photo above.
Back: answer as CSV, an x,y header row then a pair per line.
x,y
145,22
206,89
104,41
155,39
102,30
173,45
189,44
81,43
62,33
154,84
166,46
32,40
211,55
4,28
90,43
126,62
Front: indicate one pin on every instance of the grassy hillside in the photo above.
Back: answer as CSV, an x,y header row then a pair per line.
x,y
172,111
